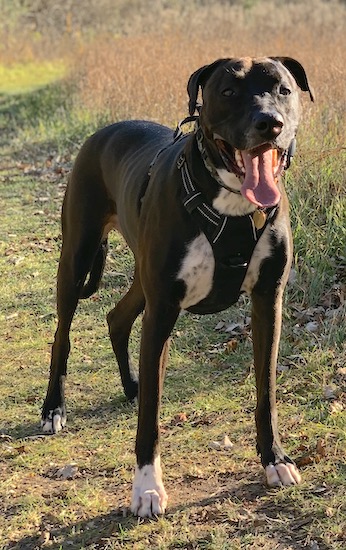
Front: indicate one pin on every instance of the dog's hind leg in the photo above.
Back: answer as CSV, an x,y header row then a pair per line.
x,y
83,251
120,321
73,269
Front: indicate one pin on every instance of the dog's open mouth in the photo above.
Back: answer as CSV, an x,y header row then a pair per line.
x,y
258,170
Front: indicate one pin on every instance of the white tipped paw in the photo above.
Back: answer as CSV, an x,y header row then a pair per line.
x,y
54,422
149,497
149,503
282,474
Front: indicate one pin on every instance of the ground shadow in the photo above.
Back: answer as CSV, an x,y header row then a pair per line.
x,y
99,531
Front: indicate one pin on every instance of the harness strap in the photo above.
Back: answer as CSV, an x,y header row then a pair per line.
x,y
233,238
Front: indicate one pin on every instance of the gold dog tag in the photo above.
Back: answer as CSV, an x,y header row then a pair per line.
x,y
259,218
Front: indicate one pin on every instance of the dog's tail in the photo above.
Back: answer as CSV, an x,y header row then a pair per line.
x,y
96,271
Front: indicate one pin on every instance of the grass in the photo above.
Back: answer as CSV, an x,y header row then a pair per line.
x,y
217,498
25,77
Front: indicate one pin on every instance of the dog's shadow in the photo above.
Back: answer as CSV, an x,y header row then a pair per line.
x,y
77,416
96,531
92,531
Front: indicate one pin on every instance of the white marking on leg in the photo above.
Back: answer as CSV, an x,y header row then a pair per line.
x,y
197,271
262,251
282,474
148,493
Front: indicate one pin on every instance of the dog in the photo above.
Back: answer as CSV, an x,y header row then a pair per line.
x,y
207,219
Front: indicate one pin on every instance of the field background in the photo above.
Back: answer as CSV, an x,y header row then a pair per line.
x,y
67,69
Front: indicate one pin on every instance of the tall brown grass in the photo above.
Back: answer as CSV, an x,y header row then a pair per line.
x,y
145,76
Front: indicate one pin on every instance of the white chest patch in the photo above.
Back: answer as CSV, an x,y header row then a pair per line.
x,y
262,251
197,271
228,203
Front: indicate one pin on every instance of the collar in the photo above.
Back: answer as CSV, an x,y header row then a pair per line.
x,y
207,162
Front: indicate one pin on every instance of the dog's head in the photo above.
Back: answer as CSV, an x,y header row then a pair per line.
x,y
249,117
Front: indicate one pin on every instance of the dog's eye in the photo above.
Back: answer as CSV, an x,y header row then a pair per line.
x,y
229,92
284,91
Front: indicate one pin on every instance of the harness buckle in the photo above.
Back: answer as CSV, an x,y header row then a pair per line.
x,y
235,261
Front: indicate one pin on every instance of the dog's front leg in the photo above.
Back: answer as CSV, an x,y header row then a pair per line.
x,y
148,495
266,330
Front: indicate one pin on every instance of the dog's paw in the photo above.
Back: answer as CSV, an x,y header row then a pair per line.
x,y
282,474
149,497
131,390
53,421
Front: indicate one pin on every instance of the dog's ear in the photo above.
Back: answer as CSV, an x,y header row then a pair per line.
x,y
298,71
199,78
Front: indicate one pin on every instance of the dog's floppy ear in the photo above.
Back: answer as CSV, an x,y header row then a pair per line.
x,y
199,78
298,71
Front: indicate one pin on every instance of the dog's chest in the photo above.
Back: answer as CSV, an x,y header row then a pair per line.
x,y
197,271
212,286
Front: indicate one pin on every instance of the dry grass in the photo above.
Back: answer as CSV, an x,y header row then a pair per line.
x,y
145,76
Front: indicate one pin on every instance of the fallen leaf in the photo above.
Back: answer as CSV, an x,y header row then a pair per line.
x,y
312,326
304,460
321,447
329,392
336,407
44,538
234,328
312,456
227,444
20,450
231,345
181,417
260,520
320,490
67,472
224,444
32,399
282,368
341,371
302,447
215,445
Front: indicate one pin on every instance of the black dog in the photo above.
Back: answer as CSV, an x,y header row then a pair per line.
x,y
206,217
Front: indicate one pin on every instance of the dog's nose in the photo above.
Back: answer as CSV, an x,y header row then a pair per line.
x,y
269,126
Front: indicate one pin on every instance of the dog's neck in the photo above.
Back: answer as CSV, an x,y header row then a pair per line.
x,y
219,186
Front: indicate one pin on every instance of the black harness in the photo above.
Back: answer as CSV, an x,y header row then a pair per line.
x,y
232,238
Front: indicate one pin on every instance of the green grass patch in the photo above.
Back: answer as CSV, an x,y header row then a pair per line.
x,y
26,77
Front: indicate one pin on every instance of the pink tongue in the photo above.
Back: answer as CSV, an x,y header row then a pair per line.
x,y
259,186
